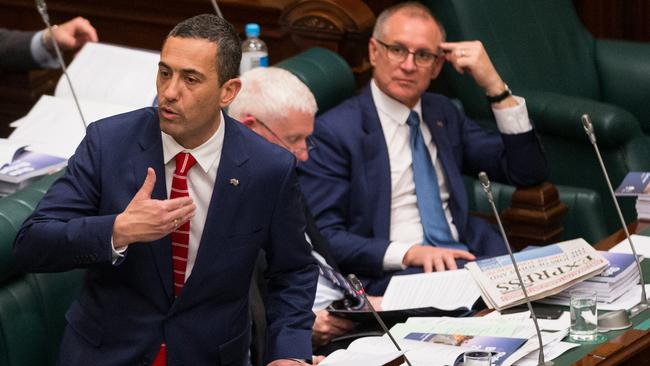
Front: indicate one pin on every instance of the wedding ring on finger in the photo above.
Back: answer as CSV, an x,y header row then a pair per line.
x,y
175,222
462,53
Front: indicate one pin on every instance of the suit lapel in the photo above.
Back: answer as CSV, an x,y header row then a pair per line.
x,y
436,122
377,166
151,155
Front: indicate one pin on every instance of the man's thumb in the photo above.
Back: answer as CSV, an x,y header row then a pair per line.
x,y
147,187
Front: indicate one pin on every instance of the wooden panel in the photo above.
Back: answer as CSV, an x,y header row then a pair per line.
x,y
287,26
628,20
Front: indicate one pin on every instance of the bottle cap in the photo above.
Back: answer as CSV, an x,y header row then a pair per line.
x,y
252,30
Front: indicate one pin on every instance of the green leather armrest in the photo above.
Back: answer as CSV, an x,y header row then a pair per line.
x,y
325,73
624,69
14,209
560,115
584,219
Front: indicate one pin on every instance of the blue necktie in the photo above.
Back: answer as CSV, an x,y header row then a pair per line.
x,y
432,216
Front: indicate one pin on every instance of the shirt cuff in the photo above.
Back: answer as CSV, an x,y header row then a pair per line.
x,y
117,253
40,53
394,256
513,120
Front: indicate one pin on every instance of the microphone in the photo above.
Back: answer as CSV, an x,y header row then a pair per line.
x,y
485,183
357,286
589,130
42,10
216,9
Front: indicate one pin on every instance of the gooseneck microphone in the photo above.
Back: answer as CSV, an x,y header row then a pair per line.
x,y
589,129
357,286
42,10
216,9
485,183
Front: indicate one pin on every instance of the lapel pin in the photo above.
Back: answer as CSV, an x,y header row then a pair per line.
x,y
234,182
440,124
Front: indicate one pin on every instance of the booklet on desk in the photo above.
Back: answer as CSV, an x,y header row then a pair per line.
x,y
25,167
634,184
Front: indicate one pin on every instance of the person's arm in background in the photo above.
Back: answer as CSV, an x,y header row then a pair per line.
x,y
20,51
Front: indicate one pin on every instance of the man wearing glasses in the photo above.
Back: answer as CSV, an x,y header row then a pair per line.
x,y
279,107
385,183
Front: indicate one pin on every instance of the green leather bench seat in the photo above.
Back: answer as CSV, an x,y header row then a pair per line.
x,y
31,305
545,54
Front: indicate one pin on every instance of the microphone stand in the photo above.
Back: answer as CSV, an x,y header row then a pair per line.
x,y
485,183
42,10
216,9
589,129
357,286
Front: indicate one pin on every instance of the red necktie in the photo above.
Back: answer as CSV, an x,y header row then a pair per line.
x,y
180,237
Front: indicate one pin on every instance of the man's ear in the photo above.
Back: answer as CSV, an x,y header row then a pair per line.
x,y
229,91
372,51
249,121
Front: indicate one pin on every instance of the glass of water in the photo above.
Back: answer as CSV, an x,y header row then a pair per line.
x,y
477,358
584,317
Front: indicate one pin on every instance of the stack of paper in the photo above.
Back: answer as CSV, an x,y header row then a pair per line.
x,y
19,166
107,79
637,184
619,277
545,271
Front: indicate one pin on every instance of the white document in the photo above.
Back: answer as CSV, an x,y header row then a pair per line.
x,y
367,351
474,326
532,345
561,323
551,352
113,74
8,149
641,244
446,290
54,127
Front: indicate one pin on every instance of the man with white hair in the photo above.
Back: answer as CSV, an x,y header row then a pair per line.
x,y
279,107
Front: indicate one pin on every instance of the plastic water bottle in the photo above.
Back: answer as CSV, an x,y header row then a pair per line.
x,y
254,51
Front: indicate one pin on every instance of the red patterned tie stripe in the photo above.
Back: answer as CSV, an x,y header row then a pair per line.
x,y
180,237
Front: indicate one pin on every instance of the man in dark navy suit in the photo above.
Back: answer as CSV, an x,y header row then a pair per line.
x,y
168,209
385,183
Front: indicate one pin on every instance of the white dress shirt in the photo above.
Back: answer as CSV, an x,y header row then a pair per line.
x,y
405,226
200,180
40,53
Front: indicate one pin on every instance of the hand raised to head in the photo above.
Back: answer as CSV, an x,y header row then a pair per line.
x,y
146,219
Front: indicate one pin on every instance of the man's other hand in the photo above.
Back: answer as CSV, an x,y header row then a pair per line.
x,y
71,35
146,219
327,327
431,258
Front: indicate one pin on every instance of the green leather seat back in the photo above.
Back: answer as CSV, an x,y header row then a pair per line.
x,y
535,45
32,306
325,73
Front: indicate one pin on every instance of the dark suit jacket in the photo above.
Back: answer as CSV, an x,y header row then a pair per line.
x,y
125,311
15,54
348,186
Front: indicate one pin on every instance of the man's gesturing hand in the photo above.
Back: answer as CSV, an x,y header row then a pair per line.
x,y
146,219
432,258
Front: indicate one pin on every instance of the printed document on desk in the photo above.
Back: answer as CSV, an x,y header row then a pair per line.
x,y
545,271
641,244
107,79
448,290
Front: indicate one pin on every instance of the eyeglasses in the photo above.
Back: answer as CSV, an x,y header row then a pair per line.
x,y
309,142
399,53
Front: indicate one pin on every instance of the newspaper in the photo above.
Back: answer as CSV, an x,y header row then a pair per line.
x,y
545,271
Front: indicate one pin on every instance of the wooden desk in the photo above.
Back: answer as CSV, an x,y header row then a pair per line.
x,y
627,347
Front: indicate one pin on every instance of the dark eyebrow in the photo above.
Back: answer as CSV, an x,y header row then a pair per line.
x,y
184,71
